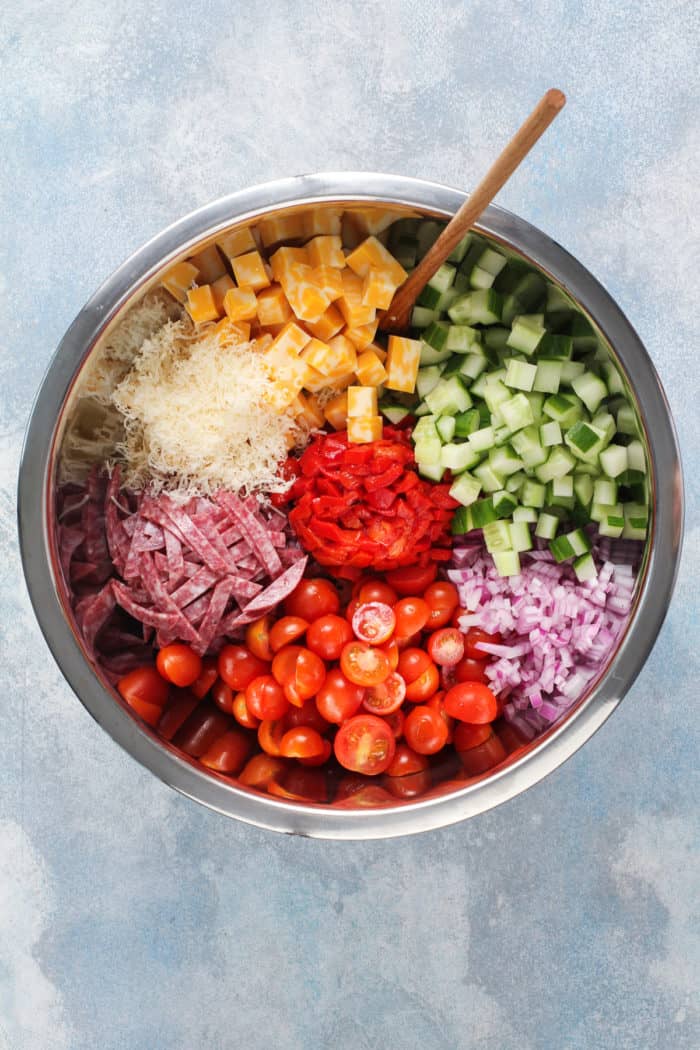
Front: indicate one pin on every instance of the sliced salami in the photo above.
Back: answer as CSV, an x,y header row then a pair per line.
x,y
253,529
268,598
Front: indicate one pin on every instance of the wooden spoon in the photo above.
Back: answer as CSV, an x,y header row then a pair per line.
x,y
398,316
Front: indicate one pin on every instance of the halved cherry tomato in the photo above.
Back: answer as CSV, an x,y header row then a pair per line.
x,y
411,580
257,638
412,663
229,753
423,687
265,698
392,651
242,714
510,736
446,646
144,684
377,591
207,677
373,622
474,637
387,697
371,797
411,786
260,770
412,614
205,725
443,599
319,760
470,670
301,785
286,631
484,756
365,744
436,702
364,664
150,713
471,702
327,636
425,730
223,695
270,733
338,698
179,664
395,721
311,599
238,667
468,736
302,742
406,761
307,715
300,672
176,713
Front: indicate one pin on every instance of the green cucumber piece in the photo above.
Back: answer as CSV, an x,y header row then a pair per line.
x,y
466,488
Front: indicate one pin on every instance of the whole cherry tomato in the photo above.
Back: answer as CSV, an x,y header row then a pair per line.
x,y
270,733
411,786
412,614
471,702
300,785
143,684
377,591
265,699
395,721
412,663
443,599
468,736
307,715
411,580
327,636
286,631
149,713
223,695
205,725
176,713
470,670
229,753
338,698
311,599
179,664
238,667
406,761
425,730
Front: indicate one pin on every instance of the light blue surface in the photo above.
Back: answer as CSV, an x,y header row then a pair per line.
x,y
132,918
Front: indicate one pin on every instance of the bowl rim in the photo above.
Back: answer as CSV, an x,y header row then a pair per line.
x,y
557,744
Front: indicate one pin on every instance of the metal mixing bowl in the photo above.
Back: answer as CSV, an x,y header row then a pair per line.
x,y
453,801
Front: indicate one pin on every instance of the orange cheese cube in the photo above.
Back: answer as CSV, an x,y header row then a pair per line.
x,y
377,289
378,350
307,300
237,242
363,335
281,228
210,264
200,304
291,339
179,279
219,289
323,220
288,371
306,409
344,356
249,271
240,304
336,411
366,221
319,356
364,429
326,251
273,308
372,254
362,401
287,259
402,363
263,343
329,281
350,303
328,324
370,370
233,331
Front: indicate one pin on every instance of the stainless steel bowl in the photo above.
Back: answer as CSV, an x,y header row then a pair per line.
x,y
38,474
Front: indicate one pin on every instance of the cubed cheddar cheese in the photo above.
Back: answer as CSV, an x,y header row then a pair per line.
x,y
323,220
328,324
263,342
292,339
233,331
402,363
364,429
362,335
273,308
370,370
240,304
210,264
285,260
200,304
319,356
362,401
336,411
237,242
219,289
377,289
350,303
179,279
372,254
326,251
329,281
306,409
378,350
307,300
289,374
281,228
367,221
344,356
249,271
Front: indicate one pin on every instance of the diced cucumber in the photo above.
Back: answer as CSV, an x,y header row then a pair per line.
x,y
507,563
421,409
550,434
422,316
466,423
520,536
547,377
571,369
446,428
516,412
482,512
583,488
533,494
427,379
613,379
429,297
430,356
525,336
394,413
504,462
478,307
435,335
459,457
494,392
443,278
516,481
627,420
636,521
591,389
604,491
613,524
462,338
482,440
427,233
462,521
528,514
547,525
636,457
557,301
528,293
563,487
406,252
585,441
601,511
490,481
560,462
458,253
466,488
520,375
606,424
564,408
495,338
585,569
613,460
431,471
504,503
473,365
527,444
583,336
449,397
555,347
487,268
497,536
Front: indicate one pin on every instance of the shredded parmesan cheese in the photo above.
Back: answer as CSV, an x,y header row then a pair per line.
x,y
195,416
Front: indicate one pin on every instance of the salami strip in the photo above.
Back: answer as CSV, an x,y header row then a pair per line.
x,y
194,538
176,562
253,530
93,612
70,539
210,624
268,598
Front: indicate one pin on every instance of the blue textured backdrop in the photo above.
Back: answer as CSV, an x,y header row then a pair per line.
x,y
132,918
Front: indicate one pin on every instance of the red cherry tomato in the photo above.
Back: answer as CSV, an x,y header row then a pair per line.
x,y
411,786
350,785
144,684
257,638
411,580
468,736
270,733
207,677
373,622
302,742
338,698
425,730
457,616
364,664
265,699
412,663
176,713
484,756
412,614
327,636
223,695
365,744
205,725
446,646
286,631
377,591
471,702
300,672
307,715
242,714
395,721
301,785
443,599
406,761
238,667
436,702
470,670
149,713
392,651
320,759
260,770
179,664
311,599
351,609
423,687
474,637
387,697
229,753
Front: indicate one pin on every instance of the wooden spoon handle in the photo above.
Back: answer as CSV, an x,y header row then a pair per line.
x,y
398,314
